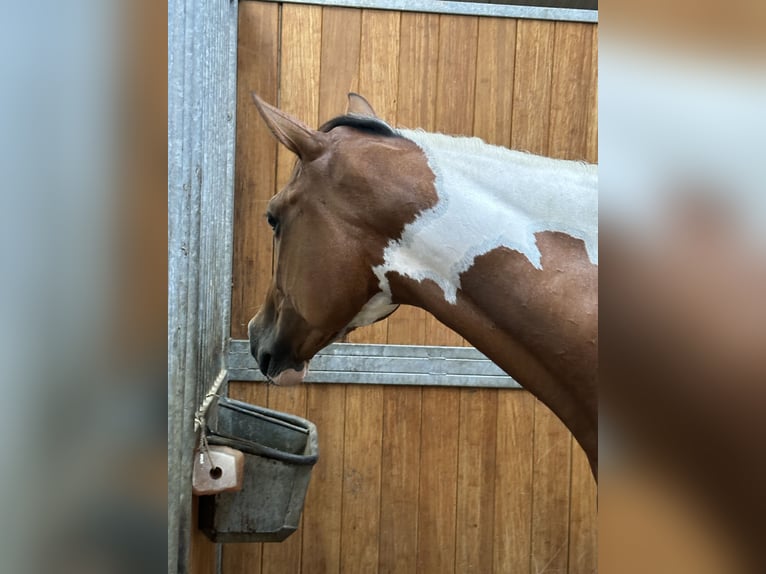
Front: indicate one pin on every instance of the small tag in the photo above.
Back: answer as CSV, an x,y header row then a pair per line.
x,y
221,471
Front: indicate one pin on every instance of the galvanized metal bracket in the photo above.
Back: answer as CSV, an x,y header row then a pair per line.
x,y
463,8
349,363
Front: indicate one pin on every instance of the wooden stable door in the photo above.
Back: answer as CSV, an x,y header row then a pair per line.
x,y
420,480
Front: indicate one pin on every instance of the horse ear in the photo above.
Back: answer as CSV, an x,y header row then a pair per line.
x,y
358,106
296,136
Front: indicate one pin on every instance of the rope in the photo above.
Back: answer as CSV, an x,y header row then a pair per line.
x,y
199,417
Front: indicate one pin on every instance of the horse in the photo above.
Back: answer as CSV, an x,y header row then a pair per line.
x,y
499,245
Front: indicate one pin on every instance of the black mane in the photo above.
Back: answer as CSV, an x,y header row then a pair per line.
x,y
366,124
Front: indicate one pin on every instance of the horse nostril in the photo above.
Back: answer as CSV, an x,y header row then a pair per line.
x,y
263,363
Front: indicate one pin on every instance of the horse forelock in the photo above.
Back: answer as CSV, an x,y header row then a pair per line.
x,y
362,123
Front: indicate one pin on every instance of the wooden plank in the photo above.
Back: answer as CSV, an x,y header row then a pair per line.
x,y
407,326
583,525
592,134
458,37
379,61
476,481
255,394
494,81
400,480
532,86
241,558
438,481
513,482
378,82
256,153
300,57
360,525
418,65
322,514
570,84
202,554
341,31
550,493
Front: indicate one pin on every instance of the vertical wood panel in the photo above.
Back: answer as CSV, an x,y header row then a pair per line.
x,y
513,482
341,31
256,153
202,557
532,86
241,558
569,90
322,515
255,394
494,80
550,493
379,67
476,480
418,57
438,478
418,70
400,480
300,57
592,137
583,528
458,36
361,479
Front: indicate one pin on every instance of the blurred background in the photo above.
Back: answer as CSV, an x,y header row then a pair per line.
x,y
83,292
83,239
682,287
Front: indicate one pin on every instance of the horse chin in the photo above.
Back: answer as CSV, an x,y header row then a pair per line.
x,y
291,377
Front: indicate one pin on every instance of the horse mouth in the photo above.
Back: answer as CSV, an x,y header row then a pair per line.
x,y
290,377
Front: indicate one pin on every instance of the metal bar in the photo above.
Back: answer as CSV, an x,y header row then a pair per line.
x,y
385,365
202,43
463,9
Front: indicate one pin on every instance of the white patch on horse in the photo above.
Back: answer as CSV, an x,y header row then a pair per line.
x,y
376,308
489,197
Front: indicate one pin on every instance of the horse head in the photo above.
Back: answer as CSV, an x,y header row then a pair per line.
x,y
355,185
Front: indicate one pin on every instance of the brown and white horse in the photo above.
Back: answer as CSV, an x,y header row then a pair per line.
x,y
500,246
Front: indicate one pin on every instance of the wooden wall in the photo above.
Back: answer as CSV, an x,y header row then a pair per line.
x,y
410,479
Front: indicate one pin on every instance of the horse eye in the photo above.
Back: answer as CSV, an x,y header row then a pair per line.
x,y
272,221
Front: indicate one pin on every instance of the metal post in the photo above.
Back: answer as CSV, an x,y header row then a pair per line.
x,y
202,40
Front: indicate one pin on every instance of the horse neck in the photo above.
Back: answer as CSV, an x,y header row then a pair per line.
x,y
474,261
490,197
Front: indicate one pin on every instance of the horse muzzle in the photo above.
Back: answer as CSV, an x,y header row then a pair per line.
x,y
274,361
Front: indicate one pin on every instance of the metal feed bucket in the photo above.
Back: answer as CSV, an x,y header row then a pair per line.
x,y
280,451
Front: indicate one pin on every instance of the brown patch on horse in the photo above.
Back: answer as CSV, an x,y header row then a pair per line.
x,y
549,344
